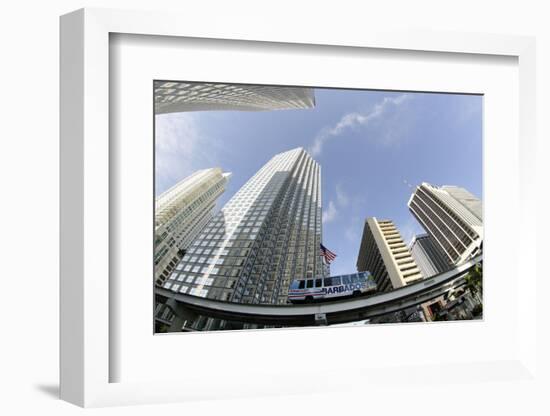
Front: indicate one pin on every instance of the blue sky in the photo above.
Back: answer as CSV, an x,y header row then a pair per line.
x,y
370,144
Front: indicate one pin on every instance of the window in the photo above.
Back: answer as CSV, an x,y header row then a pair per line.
x,y
302,284
336,281
346,280
309,284
318,282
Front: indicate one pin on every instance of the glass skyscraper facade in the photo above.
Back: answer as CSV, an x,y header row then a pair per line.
x,y
181,212
428,256
267,234
173,97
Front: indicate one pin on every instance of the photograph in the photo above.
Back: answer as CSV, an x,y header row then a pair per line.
x,y
298,206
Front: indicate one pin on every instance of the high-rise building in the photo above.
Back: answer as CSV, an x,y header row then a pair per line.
x,y
174,97
385,255
467,199
181,213
452,216
267,234
428,256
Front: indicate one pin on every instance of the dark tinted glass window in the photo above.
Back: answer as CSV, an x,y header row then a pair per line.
x,y
302,284
328,281
318,282
309,284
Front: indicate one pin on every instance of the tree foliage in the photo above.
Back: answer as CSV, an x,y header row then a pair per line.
x,y
474,279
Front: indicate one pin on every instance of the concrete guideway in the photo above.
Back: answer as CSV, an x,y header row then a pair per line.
x,y
322,313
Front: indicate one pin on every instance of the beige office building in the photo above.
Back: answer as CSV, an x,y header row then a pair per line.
x,y
180,215
175,97
452,216
384,254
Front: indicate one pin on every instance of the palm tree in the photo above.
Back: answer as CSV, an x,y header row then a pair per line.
x,y
474,280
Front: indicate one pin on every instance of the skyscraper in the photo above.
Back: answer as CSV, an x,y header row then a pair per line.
x,y
467,199
452,216
267,234
174,97
385,255
180,214
428,256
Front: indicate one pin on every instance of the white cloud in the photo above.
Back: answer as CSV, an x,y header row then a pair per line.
x,y
353,120
180,148
341,196
330,213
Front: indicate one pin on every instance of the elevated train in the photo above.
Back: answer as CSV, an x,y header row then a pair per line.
x,y
331,288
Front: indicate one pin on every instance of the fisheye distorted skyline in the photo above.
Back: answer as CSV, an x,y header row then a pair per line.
x,y
373,146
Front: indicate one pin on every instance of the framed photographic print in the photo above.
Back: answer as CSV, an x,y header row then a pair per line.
x,y
236,207
326,158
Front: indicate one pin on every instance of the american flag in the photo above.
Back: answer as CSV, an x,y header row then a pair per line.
x,y
327,254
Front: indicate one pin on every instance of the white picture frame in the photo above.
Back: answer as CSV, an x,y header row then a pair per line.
x,y
86,355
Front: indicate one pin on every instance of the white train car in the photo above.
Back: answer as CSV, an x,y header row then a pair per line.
x,y
334,287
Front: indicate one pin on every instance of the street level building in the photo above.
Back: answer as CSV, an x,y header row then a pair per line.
x,y
428,256
181,213
452,216
267,234
385,255
174,97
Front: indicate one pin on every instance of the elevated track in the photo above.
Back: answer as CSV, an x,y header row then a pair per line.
x,y
322,313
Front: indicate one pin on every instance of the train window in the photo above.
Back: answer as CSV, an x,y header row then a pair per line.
x,y
346,280
302,284
328,281
336,281
356,278
318,282
309,284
